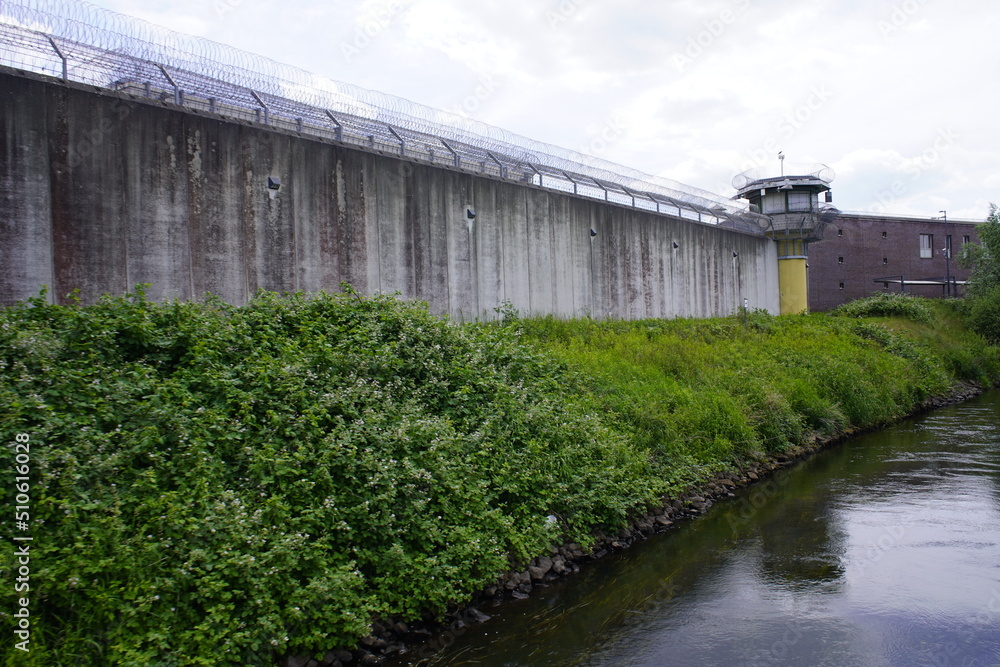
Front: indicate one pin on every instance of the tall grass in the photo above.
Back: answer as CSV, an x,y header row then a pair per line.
x,y
714,392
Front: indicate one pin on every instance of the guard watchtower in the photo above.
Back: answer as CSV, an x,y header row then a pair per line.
x,y
791,202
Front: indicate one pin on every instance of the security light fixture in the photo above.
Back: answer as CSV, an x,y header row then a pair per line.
x,y
470,213
676,245
273,186
593,233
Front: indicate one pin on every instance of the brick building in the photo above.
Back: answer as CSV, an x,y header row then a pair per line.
x,y
865,253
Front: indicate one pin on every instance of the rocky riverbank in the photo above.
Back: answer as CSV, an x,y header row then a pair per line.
x,y
424,638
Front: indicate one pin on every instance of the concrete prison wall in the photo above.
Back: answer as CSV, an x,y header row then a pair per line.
x,y
100,191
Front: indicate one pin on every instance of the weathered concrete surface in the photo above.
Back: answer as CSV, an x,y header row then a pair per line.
x,y
100,192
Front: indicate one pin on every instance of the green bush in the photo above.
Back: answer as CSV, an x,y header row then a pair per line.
x,y
887,304
984,314
217,485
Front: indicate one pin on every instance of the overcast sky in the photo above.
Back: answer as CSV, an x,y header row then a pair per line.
x,y
899,97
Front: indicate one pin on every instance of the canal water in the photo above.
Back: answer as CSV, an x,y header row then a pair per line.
x,y
884,550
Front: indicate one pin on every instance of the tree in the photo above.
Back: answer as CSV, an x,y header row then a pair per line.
x,y
984,258
984,283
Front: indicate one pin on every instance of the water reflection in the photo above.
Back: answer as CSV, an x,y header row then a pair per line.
x,y
883,551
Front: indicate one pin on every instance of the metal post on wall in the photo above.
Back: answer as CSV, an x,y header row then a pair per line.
x,y
672,202
503,170
631,194
607,195
576,189
267,111
402,142
178,96
657,202
62,57
458,159
947,253
337,123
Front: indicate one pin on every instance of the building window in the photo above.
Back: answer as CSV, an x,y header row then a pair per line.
x,y
840,260
840,232
966,239
799,201
841,285
926,246
885,260
883,234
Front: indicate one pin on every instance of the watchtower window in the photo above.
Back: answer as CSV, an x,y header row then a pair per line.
x,y
799,201
773,203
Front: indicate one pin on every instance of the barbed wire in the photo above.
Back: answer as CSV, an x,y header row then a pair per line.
x,y
82,42
820,172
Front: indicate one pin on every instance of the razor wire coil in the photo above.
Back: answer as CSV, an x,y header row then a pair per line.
x,y
84,43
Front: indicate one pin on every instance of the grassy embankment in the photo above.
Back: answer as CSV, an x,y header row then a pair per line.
x,y
215,485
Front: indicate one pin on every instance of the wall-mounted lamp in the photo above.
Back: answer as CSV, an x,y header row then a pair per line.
x,y
593,233
273,186
470,213
676,245
735,254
